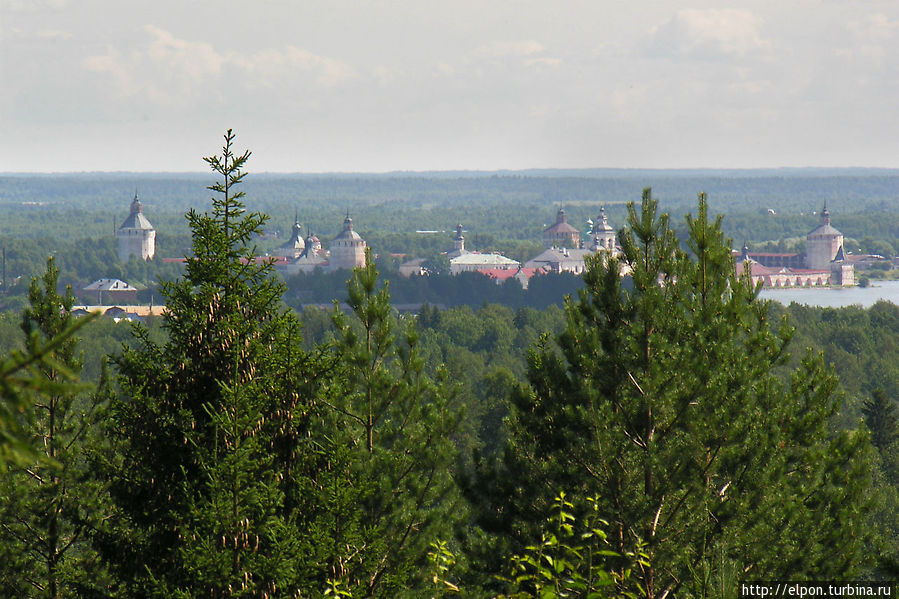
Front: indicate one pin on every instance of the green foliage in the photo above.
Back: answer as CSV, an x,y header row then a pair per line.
x,y
880,416
664,402
442,561
48,501
574,558
243,455
210,433
465,289
396,425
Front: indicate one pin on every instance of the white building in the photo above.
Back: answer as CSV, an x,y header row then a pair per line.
x,y
137,237
462,260
296,245
347,249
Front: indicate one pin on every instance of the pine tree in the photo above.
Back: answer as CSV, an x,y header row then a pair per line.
x,y
880,416
395,426
49,502
208,474
662,400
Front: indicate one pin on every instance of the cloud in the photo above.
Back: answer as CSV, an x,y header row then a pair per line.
x,y
516,49
113,65
194,59
543,62
329,72
31,6
174,71
708,33
53,35
527,53
875,28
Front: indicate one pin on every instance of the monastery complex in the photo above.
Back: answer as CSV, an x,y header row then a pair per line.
x,y
825,262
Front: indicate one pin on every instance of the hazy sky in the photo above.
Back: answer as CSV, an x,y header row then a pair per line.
x,y
340,85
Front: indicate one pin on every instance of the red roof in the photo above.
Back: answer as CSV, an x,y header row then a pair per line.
x,y
501,274
757,270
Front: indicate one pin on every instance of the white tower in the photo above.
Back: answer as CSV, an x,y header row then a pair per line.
x,y
822,244
348,248
603,234
137,237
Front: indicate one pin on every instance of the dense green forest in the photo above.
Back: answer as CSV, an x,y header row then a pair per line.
x,y
666,434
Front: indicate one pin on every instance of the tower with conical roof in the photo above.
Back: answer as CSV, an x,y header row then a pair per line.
x,y
348,248
137,237
823,243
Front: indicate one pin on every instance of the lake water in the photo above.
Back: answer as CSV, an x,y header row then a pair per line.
x,y
837,297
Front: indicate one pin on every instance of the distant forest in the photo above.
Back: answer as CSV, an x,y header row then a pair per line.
x,y
74,216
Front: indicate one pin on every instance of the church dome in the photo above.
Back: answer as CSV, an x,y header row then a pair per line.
x,y
348,234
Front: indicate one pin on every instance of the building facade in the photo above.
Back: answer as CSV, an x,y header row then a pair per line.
x,y
347,249
823,243
561,234
296,245
136,236
825,261
602,235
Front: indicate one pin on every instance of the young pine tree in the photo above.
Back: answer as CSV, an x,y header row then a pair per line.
x,y
49,502
211,431
662,401
880,416
394,427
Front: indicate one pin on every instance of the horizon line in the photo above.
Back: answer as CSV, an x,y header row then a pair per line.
x,y
412,172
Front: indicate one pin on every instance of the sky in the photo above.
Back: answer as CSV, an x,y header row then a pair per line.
x,y
413,85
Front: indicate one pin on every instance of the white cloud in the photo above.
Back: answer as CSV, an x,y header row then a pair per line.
x,y
506,54
446,69
631,98
329,72
194,59
31,6
708,33
515,49
112,64
543,62
174,71
346,85
875,27
53,34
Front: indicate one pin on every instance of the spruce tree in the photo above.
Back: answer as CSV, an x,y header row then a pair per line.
x,y
661,398
211,427
880,416
393,427
49,501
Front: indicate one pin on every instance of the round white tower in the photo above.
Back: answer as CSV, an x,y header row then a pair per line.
x,y
822,244
348,248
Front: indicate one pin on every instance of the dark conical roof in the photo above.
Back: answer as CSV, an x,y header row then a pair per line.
x,y
136,219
